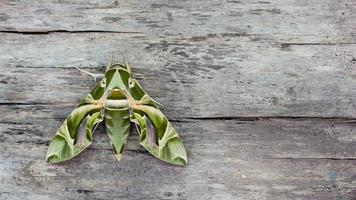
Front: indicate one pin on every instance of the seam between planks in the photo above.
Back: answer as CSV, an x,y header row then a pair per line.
x,y
313,158
46,32
237,118
259,118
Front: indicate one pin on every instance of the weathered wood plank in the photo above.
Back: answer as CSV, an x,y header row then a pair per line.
x,y
209,77
264,159
261,64
277,17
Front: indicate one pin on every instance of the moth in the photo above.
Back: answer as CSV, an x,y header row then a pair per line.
x,y
118,100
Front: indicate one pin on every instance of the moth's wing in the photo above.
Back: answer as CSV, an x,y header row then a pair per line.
x,y
75,134
117,122
151,134
137,92
158,136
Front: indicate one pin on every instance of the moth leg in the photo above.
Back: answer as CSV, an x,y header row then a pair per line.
x,y
156,102
149,100
95,76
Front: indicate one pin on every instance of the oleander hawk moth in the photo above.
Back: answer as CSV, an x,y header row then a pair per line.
x,y
118,100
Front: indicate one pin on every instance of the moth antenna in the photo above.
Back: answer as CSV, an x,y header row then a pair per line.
x,y
110,63
95,76
126,63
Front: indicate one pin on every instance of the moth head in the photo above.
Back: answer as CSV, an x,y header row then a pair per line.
x,y
116,78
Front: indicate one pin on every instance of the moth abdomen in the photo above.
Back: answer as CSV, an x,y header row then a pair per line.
x,y
117,120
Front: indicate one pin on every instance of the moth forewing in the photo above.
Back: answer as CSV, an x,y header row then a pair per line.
x,y
170,147
67,143
151,134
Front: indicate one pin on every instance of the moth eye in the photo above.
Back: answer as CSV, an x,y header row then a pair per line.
x,y
131,83
103,83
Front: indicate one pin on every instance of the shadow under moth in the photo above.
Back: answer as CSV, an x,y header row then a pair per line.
x,y
118,100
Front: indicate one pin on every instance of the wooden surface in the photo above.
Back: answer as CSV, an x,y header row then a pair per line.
x,y
263,94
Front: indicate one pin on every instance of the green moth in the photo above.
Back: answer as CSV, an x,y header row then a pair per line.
x,y
119,101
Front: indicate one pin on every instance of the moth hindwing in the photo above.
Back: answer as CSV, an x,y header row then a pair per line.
x,y
118,100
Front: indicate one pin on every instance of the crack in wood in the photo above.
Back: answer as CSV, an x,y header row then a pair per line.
x,y
44,32
25,103
314,43
187,119
313,158
227,118
85,191
258,118
138,151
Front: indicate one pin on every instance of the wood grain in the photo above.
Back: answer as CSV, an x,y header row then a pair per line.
x,y
261,159
263,94
233,76
190,18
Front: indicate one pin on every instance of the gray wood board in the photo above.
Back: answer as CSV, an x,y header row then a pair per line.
x,y
210,77
263,159
262,93
198,17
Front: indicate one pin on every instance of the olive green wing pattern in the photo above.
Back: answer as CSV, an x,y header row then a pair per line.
x,y
75,134
118,100
158,136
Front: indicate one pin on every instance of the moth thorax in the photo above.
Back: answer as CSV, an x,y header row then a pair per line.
x,y
116,99
116,103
